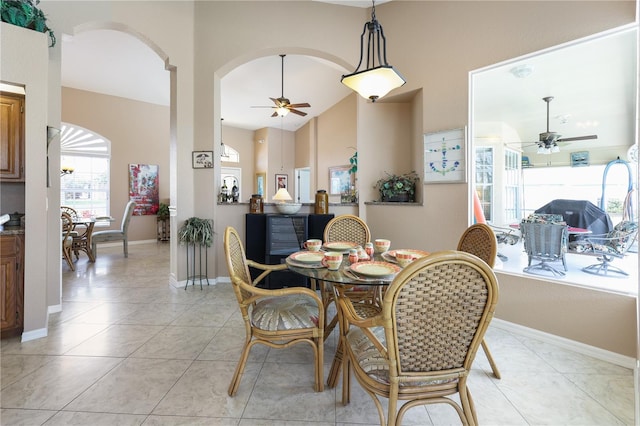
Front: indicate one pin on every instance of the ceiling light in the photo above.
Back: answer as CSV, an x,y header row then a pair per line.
x,y
521,71
376,80
282,111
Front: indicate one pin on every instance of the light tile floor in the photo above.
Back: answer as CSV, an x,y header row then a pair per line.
x,y
130,349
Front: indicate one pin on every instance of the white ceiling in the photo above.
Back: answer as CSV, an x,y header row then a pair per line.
x,y
592,82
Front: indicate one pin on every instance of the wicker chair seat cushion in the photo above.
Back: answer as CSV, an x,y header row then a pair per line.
x,y
555,219
285,313
616,242
373,362
67,242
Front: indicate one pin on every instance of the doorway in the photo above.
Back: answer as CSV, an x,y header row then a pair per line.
x,y
303,185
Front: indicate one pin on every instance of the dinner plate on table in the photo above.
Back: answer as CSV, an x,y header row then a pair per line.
x,y
390,256
307,256
375,269
340,246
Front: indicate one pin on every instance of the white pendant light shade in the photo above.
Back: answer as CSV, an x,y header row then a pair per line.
x,y
374,83
282,195
378,77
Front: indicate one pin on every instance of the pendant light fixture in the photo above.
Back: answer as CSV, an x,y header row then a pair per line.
x,y
224,155
379,78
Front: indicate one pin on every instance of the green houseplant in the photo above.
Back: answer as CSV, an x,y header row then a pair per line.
x,y
25,14
163,211
398,188
196,231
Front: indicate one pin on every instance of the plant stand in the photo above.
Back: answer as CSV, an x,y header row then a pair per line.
x,y
163,230
192,266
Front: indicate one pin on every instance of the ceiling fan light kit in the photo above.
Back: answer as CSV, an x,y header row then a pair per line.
x,y
375,81
282,105
548,142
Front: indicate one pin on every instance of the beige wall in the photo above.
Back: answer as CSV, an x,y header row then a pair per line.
x,y
434,44
242,141
25,63
139,134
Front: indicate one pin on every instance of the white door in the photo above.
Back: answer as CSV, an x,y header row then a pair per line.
x,y
303,185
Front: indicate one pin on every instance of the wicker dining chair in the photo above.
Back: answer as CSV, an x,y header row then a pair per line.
x,y
352,229
421,347
480,240
67,239
275,318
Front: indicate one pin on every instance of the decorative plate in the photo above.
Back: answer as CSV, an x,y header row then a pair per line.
x,y
417,254
307,257
375,269
343,246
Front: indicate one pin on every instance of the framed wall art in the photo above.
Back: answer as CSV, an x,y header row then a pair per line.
x,y
444,156
340,180
202,159
281,182
143,188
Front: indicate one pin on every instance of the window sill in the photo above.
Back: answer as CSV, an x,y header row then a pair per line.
x,y
517,261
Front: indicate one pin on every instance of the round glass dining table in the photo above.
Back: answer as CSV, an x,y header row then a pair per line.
x,y
343,278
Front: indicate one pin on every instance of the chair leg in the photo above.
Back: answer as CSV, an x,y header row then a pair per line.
x,y
67,257
126,247
487,352
237,375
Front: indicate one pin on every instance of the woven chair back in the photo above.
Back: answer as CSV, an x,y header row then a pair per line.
x,y
479,240
544,241
236,263
347,228
436,313
71,212
67,227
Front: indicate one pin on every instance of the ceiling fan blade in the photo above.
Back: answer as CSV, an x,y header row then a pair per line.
x,y
303,105
578,138
275,101
295,111
275,114
260,106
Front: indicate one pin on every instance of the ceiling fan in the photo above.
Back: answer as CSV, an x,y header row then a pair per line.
x,y
548,142
282,105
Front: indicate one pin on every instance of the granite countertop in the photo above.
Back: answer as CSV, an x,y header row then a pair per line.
x,y
11,230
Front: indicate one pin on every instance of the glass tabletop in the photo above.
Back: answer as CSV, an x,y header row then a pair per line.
x,y
342,276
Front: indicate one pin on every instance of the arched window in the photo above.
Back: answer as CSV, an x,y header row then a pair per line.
x,y
85,180
229,154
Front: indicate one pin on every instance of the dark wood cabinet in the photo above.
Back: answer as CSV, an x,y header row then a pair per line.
x,y
270,238
11,285
11,137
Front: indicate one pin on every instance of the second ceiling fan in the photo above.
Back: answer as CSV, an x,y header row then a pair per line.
x,y
282,105
549,140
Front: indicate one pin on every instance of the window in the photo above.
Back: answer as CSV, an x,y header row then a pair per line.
x,y
229,154
87,155
484,180
512,186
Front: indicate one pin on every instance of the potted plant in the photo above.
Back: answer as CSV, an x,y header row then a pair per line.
x,y
196,231
25,14
398,188
163,211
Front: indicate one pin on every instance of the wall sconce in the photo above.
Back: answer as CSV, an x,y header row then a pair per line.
x,y
376,80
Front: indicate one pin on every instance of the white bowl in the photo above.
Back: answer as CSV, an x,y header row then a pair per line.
x,y
288,208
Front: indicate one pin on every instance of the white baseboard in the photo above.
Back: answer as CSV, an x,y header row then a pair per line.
x,y
34,334
131,243
572,345
54,309
183,283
